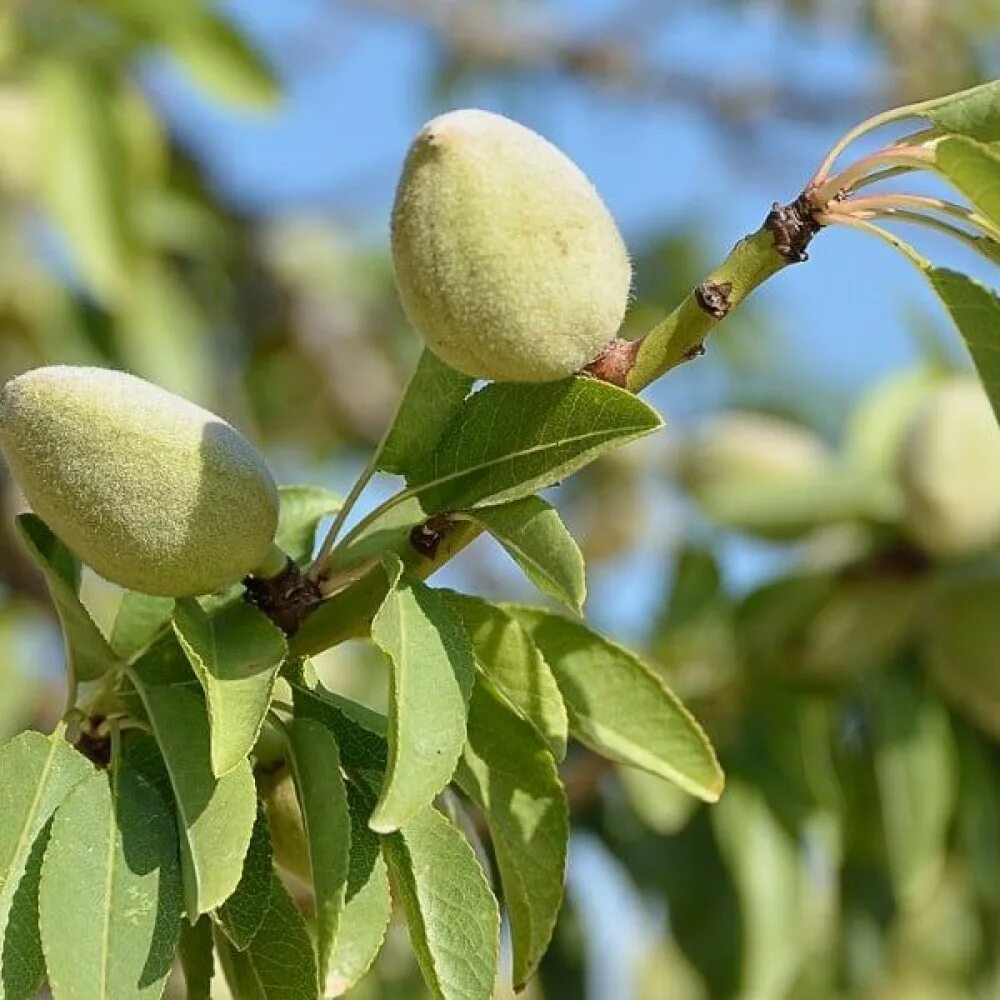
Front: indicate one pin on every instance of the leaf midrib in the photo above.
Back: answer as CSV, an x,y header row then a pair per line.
x,y
524,452
109,885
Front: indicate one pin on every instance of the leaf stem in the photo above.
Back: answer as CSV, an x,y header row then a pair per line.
x,y
320,564
911,158
901,204
843,219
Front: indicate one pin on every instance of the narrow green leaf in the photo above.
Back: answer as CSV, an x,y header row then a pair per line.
x,y
241,916
236,655
419,422
768,871
140,618
510,440
974,112
215,815
360,733
368,905
974,169
88,654
36,774
279,964
534,535
197,961
302,508
221,61
22,963
915,768
976,312
83,189
450,911
110,894
431,670
508,772
509,657
315,762
620,708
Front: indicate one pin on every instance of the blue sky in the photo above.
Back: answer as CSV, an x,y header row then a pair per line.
x,y
359,86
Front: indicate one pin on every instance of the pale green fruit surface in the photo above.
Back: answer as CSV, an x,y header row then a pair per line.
x,y
950,470
507,261
284,820
767,476
153,492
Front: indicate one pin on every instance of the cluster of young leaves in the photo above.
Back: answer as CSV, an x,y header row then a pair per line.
x,y
157,833
963,147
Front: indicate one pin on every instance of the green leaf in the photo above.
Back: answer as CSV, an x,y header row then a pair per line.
x,y
359,732
88,654
220,61
241,916
195,954
36,774
302,508
139,620
110,894
534,535
975,170
22,963
368,905
508,772
450,911
620,708
509,657
315,763
279,963
976,312
974,112
915,769
770,878
215,815
433,396
431,670
236,655
83,187
510,440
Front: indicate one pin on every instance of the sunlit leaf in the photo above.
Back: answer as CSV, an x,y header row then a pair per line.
x,y
976,312
315,763
536,538
236,654
36,774
620,708
510,440
302,508
975,170
974,112
215,815
433,396
110,894
431,671
508,656
450,911
508,772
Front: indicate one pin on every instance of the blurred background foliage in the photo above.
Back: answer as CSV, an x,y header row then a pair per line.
x,y
845,662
